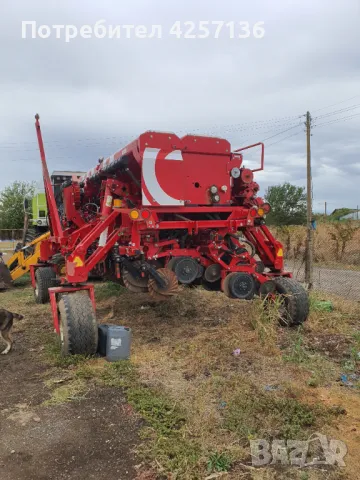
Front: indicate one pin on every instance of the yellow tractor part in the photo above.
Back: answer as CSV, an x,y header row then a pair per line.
x,y
19,263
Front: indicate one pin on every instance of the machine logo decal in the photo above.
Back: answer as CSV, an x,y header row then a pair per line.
x,y
152,191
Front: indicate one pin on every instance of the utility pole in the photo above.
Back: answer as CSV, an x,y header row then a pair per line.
x,y
309,242
325,209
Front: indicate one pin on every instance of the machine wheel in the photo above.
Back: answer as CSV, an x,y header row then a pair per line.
x,y
78,327
260,267
186,270
239,285
172,262
225,285
44,277
213,273
295,305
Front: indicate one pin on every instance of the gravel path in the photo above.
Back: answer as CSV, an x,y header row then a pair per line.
x,y
345,283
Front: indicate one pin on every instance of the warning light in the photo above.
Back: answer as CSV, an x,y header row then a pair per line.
x,y
145,214
280,253
253,212
117,203
261,212
134,214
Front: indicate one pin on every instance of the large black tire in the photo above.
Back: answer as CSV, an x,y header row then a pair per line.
x,y
30,235
295,301
78,327
44,277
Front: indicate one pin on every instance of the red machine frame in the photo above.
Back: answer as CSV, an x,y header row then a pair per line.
x,y
133,227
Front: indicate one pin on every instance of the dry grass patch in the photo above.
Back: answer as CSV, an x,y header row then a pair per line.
x,y
185,347
202,403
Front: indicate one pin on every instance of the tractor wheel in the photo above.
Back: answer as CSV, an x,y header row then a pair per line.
x,y
30,235
295,301
78,327
44,277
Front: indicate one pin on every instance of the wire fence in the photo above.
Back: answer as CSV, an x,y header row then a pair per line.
x,y
336,256
10,235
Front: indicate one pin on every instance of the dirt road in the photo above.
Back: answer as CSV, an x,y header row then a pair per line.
x,y
89,438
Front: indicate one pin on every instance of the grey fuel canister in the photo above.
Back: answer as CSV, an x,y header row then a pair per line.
x,y
114,342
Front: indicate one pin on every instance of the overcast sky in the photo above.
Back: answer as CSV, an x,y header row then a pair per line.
x,y
95,95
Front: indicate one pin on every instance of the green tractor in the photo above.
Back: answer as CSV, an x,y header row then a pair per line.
x,y
36,229
36,221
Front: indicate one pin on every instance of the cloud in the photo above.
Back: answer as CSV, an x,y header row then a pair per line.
x,y
95,95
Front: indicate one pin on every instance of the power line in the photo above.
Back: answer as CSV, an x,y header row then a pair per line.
x,y
64,157
15,148
258,124
342,110
285,138
284,131
248,138
255,125
334,104
336,120
264,124
257,131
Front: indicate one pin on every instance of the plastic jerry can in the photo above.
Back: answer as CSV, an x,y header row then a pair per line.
x,y
114,342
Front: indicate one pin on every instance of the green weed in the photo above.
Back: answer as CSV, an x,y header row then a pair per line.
x,y
106,290
219,462
254,414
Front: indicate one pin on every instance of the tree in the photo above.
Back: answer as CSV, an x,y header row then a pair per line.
x,y
288,205
11,204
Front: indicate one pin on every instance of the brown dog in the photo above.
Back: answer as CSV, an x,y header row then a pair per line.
x,y
6,324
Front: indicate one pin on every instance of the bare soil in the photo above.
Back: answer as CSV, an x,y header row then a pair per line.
x,y
92,437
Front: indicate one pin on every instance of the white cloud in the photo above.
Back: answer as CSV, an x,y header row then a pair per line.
x,y
95,95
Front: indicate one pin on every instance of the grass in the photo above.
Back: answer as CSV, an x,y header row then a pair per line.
x,y
199,403
302,351
265,321
255,414
72,390
53,353
165,436
297,352
219,462
106,290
